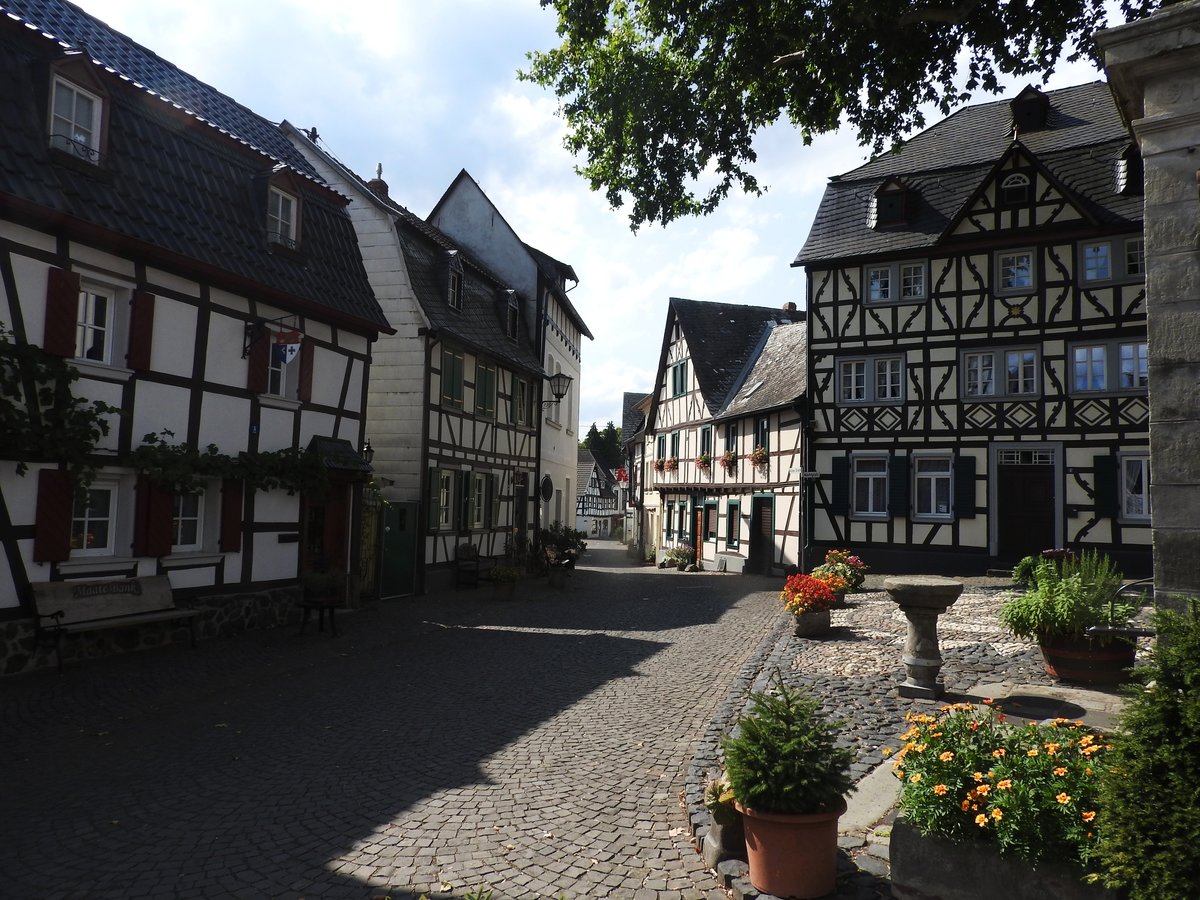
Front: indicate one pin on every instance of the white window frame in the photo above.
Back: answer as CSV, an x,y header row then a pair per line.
x,y
1113,364
937,470
282,214
1090,352
68,139
179,517
478,500
445,499
1012,182
889,379
979,371
871,475
1096,261
1140,460
1139,355
898,277
454,292
1006,262
521,401
858,380
112,488
1126,261
512,323
1000,360
86,326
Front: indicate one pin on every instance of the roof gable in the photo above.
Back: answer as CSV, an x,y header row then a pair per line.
x,y
776,376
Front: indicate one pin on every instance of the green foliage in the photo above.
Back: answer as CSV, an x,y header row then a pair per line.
x,y
40,418
1151,791
663,98
784,756
561,538
183,468
718,800
1032,790
504,574
1066,597
605,445
680,554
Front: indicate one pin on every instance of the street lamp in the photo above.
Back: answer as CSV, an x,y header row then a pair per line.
x,y
368,452
560,383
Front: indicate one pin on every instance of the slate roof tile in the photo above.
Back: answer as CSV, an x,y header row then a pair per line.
x,y
777,376
633,420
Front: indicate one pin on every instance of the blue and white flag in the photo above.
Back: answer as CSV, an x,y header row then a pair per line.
x,y
285,346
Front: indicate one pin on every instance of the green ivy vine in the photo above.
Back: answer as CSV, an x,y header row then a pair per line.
x,y
184,469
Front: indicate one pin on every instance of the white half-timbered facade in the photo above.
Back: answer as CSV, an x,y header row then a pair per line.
x,y
455,394
723,436
598,503
193,270
977,331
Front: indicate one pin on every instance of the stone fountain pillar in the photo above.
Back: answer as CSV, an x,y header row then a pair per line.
x,y
922,598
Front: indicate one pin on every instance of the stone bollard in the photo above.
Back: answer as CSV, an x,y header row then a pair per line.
x,y
922,598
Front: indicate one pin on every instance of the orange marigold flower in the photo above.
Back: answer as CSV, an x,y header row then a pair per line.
x,y
1088,751
978,776
940,789
974,725
1087,770
1060,771
988,702
965,805
946,756
1033,752
997,815
1089,815
899,773
998,752
1004,784
887,751
1052,748
920,748
1063,798
983,790
1085,740
915,778
981,820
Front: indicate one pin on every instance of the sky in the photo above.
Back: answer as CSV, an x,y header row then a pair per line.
x,y
429,88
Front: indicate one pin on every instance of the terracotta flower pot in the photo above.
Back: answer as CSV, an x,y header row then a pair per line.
x,y
793,856
1087,662
812,624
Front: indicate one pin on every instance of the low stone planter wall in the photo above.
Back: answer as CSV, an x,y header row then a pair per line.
x,y
934,868
222,615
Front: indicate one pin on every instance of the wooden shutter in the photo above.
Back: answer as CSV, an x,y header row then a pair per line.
x,y
964,487
493,502
1105,486
258,361
463,482
52,528
232,496
434,502
152,519
62,312
304,388
898,486
141,331
839,494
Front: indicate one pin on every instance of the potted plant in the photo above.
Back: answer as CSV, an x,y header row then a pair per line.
x,y
1066,595
659,465
842,571
980,795
789,779
672,463
704,462
504,581
759,457
728,461
809,600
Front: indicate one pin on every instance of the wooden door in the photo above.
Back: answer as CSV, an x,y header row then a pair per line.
x,y
1025,514
762,536
326,530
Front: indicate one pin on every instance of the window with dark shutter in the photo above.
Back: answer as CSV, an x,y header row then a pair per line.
x,y
152,519
839,492
304,388
1104,486
898,486
434,512
52,528
232,492
258,359
141,331
964,487
62,310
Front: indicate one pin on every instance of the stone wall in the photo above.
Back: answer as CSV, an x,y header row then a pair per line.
x,y
221,616
1154,68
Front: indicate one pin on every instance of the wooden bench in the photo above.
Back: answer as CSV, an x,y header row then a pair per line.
x,y
469,566
80,606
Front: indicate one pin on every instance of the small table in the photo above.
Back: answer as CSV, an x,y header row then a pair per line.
x,y
922,598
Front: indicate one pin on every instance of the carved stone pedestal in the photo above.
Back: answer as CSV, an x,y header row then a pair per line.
x,y
922,598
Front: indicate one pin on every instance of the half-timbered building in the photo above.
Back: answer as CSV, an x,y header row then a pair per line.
x,y
455,394
175,252
724,434
977,333
639,513
553,324
597,507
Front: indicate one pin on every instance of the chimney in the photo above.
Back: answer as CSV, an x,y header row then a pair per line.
x,y
789,307
377,185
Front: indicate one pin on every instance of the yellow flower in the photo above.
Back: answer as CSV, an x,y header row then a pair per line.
x,y
983,790
946,756
1000,751
888,751
997,815
1063,798
1088,751
1033,752
940,789
915,778
978,776
1089,815
1004,785
1087,770
920,748
899,773
1085,740
1052,748
965,805
981,820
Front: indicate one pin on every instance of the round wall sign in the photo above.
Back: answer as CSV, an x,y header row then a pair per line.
x,y
547,488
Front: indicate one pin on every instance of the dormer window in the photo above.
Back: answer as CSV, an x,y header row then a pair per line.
x,y
454,283
1130,176
1015,189
512,317
75,121
281,218
1029,110
892,204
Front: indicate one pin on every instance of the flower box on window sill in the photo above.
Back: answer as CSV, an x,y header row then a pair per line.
x,y
703,462
759,457
672,464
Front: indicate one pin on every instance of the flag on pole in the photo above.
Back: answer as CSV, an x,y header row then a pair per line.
x,y
285,346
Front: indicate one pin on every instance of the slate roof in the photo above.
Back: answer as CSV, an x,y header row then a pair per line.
x,y
722,339
560,270
583,473
633,420
169,181
1080,144
777,375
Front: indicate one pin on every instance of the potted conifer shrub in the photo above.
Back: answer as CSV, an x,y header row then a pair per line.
x,y
789,780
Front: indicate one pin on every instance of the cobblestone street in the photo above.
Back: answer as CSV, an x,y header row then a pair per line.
x,y
536,746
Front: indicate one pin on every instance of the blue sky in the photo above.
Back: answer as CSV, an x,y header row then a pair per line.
x,y
428,88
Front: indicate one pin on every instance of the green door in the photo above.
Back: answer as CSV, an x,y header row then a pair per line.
x,y
399,549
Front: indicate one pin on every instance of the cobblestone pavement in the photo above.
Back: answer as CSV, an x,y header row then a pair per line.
x,y
537,746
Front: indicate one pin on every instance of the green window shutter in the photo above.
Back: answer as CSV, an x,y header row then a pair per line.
x,y
839,494
964,487
464,501
1104,486
493,501
898,486
434,499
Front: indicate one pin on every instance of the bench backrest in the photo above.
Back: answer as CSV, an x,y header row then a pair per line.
x,y
86,601
467,553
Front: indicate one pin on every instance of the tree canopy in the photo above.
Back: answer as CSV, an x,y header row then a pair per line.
x,y
663,98
605,445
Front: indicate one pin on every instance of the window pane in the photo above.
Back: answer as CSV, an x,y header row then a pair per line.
x,y
1135,257
1096,264
1089,368
878,495
1022,371
912,281
879,284
1134,366
1016,271
980,375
